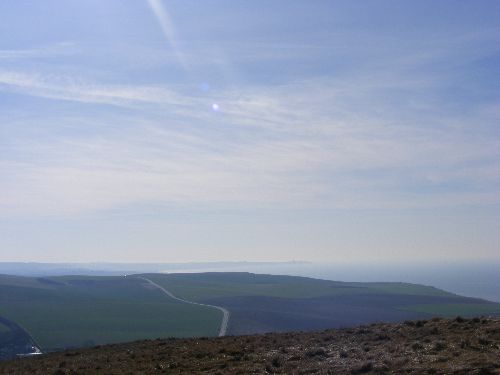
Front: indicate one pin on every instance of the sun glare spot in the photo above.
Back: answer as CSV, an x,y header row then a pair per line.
x,y
215,107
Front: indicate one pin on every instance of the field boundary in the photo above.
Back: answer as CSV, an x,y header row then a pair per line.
x,y
225,313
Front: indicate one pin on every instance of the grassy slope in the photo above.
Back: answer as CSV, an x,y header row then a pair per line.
x,y
262,303
200,287
454,309
75,311
84,310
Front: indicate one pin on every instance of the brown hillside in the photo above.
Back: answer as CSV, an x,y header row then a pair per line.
x,y
437,346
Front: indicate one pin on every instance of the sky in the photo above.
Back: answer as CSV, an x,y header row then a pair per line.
x,y
177,131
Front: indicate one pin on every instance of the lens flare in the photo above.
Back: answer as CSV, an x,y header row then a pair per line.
x,y
215,107
167,26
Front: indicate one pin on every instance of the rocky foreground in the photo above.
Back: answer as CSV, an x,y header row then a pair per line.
x,y
437,346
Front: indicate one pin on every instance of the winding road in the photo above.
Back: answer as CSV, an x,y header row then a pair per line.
x,y
225,312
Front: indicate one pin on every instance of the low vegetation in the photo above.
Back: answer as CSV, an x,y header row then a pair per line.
x,y
435,346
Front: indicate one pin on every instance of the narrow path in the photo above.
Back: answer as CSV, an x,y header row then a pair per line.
x,y
225,312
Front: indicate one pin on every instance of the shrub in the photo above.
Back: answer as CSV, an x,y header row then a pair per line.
x,y
316,352
439,346
277,361
417,346
366,367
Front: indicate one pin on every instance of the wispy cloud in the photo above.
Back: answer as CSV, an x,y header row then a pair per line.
x,y
58,49
380,135
71,89
321,144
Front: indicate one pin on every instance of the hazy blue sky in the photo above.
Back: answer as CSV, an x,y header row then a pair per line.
x,y
249,130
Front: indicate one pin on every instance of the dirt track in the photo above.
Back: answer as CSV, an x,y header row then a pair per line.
x,y
225,312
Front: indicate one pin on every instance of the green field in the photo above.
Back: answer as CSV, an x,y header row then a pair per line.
x,y
80,311
74,311
200,287
404,288
263,303
456,309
